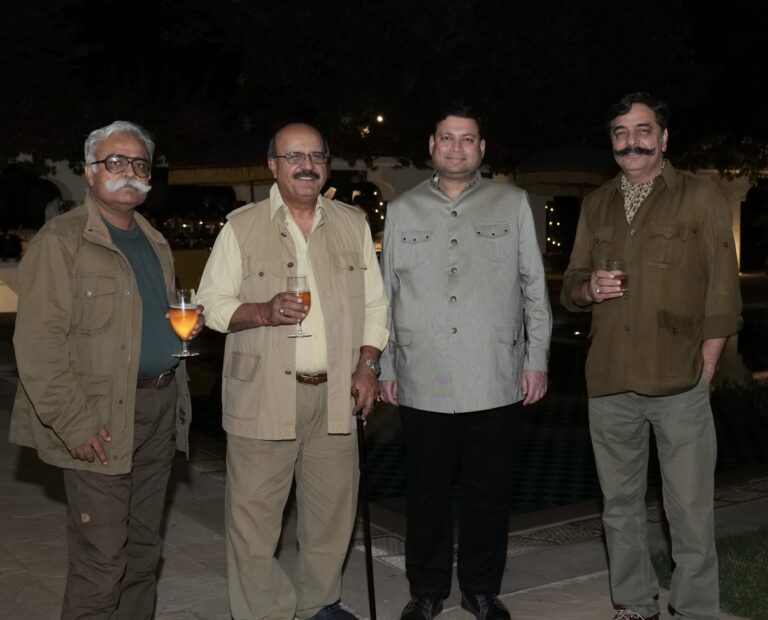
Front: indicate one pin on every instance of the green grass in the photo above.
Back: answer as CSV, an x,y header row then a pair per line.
x,y
743,573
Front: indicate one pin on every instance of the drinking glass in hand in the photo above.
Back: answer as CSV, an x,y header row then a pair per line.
x,y
618,268
297,285
183,315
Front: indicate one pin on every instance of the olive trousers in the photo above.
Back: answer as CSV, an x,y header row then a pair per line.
x,y
687,447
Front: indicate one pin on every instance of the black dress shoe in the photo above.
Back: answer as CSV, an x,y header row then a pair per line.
x,y
485,606
422,608
333,611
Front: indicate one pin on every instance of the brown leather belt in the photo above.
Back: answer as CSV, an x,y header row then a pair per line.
x,y
320,377
159,382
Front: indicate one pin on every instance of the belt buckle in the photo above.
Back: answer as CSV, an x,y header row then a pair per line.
x,y
160,379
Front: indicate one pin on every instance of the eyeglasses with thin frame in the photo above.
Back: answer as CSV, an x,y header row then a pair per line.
x,y
115,164
295,157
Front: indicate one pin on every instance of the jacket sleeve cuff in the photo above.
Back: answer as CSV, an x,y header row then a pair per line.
x,y
720,326
536,359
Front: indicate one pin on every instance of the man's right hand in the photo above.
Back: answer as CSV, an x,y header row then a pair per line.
x,y
388,391
93,447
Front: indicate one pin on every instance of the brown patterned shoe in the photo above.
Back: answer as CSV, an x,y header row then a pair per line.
x,y
628,614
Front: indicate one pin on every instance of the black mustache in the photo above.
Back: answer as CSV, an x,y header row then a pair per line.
x,y
634,150
306,173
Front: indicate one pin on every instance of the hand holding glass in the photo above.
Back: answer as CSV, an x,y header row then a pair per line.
x,y
297,285
183,315
618,268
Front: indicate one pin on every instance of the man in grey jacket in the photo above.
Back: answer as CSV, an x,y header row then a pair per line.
x,y
470,330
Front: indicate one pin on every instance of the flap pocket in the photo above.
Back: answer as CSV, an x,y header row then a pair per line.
x,y
94,303
677,324
509,334
403,337
416,236
669,231
241,366
491,231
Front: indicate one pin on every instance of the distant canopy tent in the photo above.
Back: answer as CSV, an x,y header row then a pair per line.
x,y
219,174
230,160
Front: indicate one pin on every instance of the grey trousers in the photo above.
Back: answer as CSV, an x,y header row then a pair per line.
x,y
687,448
113,527
259,477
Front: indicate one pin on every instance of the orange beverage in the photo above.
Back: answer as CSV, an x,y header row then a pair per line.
x,y
306,298
183,320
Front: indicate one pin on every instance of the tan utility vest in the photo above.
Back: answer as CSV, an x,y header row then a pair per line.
x,y
259,382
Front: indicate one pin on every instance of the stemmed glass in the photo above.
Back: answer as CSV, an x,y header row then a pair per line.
x,y
183,315
297,285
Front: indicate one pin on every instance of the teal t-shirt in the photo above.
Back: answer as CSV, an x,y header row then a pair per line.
x,y
158,340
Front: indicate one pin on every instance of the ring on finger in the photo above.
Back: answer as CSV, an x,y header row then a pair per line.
x,y
597,290
282,311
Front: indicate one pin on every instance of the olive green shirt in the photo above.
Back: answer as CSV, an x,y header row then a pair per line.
x,y
683,284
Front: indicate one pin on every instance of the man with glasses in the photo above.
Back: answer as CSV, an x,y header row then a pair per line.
x,y
101,395
287,404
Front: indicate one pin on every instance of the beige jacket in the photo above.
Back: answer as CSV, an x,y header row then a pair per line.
x,y
259,383
77,340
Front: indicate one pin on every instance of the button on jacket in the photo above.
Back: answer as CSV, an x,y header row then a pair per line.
x,y
77,342
683,284
468,296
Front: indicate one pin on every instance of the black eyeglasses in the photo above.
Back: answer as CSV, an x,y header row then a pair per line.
x,y
115,164
315,157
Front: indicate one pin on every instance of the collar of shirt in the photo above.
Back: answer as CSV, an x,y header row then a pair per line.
x,y
436,177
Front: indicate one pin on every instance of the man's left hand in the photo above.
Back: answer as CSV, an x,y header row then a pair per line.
x,y
365,390
534,383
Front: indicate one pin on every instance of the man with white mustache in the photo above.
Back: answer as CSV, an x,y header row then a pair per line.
x,y
653,352
101,395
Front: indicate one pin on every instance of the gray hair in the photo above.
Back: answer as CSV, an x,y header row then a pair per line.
x,y
99,135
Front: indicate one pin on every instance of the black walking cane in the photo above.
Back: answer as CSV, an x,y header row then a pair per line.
x,y
366,515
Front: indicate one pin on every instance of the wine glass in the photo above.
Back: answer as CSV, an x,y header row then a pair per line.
x,y
183,315
297,285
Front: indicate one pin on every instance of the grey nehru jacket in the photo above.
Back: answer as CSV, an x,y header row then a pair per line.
x,y
468,297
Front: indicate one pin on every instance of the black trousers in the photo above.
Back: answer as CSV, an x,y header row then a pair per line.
x,y
473,449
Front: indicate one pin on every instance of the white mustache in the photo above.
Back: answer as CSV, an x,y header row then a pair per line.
x,y
138,185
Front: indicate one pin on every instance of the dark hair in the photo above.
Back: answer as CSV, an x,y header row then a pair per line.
x,y
272,148
462,110
622,106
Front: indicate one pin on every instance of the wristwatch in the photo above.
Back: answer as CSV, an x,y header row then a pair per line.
x,y
373,365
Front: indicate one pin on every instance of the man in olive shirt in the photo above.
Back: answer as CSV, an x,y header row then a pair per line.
x,y
653,353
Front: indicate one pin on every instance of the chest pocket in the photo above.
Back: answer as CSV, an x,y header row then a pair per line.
x,y
602,244
262,278
492,241
94,303
667,244
413,237
415,250
352,274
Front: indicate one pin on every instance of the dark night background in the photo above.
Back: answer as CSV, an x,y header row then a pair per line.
x,y
199,73
213,80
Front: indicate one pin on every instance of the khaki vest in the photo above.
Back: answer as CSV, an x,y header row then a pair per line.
x,y
259,383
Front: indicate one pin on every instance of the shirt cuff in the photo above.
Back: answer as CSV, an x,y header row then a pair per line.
x,y
220,317
720,326
375,336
